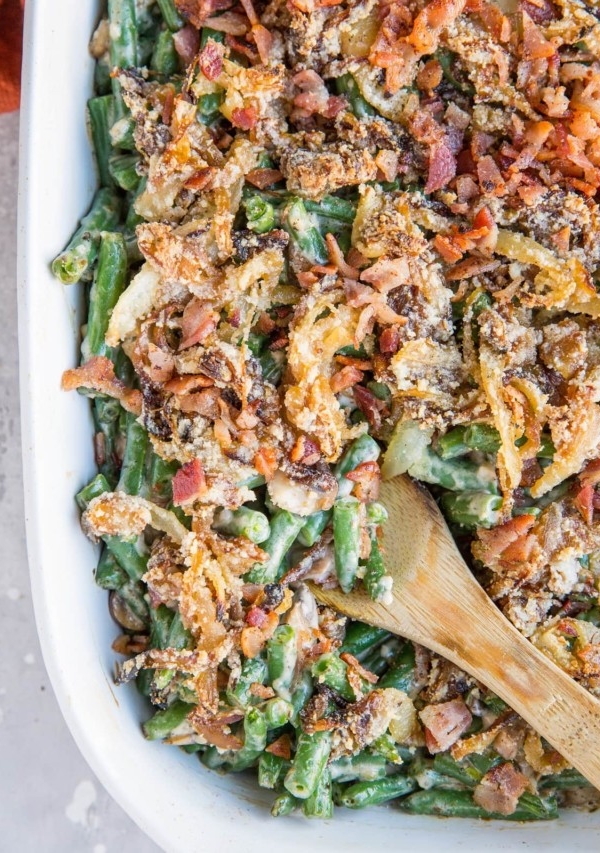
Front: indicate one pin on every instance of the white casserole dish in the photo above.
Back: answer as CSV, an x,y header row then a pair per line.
x,y
182,806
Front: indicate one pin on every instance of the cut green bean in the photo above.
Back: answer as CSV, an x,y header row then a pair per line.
x,y
109,574
282,654
165,59
255,740
271,769
377,583
96,487
347,85
378,791
277,712
260,214
82,249
123,41
285,527
315,525
162,723
320,802
376,513
461,804
109,283
482,437
170,15
346,537
333,672
254,671
363,767
362,449
284,804
310,760
304,234
123,170
132,477
401,674
452,444
472,509
361,638
246,522
128,556
101,111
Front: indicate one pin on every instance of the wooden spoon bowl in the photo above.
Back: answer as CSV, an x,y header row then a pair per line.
x,y
437,602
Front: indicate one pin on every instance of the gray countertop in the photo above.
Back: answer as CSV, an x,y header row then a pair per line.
x,y
50,801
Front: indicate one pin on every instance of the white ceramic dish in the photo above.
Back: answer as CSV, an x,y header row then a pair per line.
x,y
182,806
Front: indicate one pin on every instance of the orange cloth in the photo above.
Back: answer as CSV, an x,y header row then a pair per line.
x,y
11,39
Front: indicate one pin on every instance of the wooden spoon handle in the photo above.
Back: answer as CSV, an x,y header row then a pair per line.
x,y
491,649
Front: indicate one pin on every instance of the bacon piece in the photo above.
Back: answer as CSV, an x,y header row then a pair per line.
x,y
263,41
98,374
244,118
389,340
314,97
500,789
213,731
449,252
356,664
584,501
229,22
199,321
256,617
367,477
535,45
591,472
263,178
540,11
442,167
186,42
265,462
210,59
444,724
189,483
369,405
490,177
345,378
496,541
471,267
281,747
202,179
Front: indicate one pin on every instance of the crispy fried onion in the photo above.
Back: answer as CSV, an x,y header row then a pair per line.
x,y
120,514
323,324
98,374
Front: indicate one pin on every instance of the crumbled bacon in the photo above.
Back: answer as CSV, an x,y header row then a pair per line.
x,y
189,483
186,42
444,724
263,178
442,167
500,789
210,59
244,118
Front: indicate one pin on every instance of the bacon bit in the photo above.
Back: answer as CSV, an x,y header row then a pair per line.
x,y
252,641
367,476
252,592
535,45
249,10
369,405
187,383
591,473
389,340
263,178
321,269
205,403
189,483
244,118
562,239
186,42
229,22
305,451
355,664
584,501
490,177
306,279
345,378
222,434
444,724
588,190
281,747
499,790
264,42
356,259
471,267
430,75
499,539
494,21
210,59
442,167
98,374
430,21
449,252
256,617
359,363
168,104
336,256
265,462
540,11
314,96
197,323
202,179
212,730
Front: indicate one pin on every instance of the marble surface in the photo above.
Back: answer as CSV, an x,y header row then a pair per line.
x,y
50,801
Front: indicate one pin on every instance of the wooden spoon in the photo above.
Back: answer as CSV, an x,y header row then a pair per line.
x,y
438,603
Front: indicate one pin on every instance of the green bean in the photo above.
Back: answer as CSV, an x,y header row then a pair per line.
x,y
361,638
123,41
246,522
132,477
260,214
330,670
314,525
285,527
109,282
123,170
179,636
469,771
255,740
161,618
363,794
302,693
277,712
106,412
271,769
207,33
109,574
272,366
452,444
364,767
461,804
284,804
102,81
446,58
320,802
282,654
254,671
170,15
122,133
386,746
347,85
346,537
209,106
332,207
160,479
472,509
376,513
132,593
165,59
377,583
401,674
96,487
482,437
363,449
547,448
82,249
162,723
378,659
569,778
455,475
304,234
101,111
127,556
310,760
